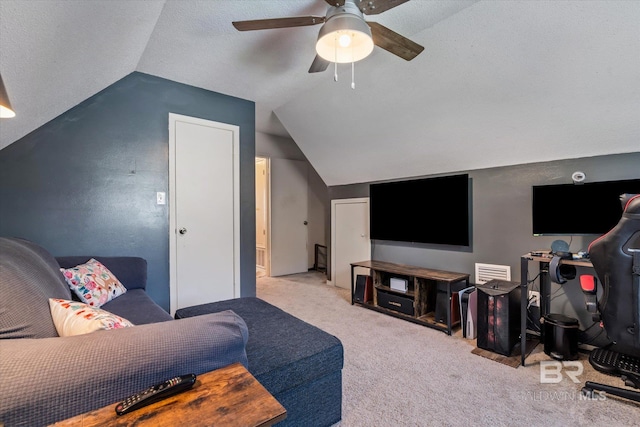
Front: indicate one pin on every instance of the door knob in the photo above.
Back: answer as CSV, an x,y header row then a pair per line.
x,y
182,231
305,223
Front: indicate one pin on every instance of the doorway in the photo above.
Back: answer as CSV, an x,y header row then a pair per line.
x,y
281,211
262,218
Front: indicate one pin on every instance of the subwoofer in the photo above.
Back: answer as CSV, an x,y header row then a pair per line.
x,y
498,316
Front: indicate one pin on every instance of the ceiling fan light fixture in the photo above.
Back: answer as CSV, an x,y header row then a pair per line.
x,y
344,38
6,111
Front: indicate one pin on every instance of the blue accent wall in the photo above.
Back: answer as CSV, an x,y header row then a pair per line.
x,y
85,183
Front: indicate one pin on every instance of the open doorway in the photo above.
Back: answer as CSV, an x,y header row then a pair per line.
x,y
262,217
282,223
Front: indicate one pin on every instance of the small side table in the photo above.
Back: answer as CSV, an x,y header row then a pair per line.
x,y
229,396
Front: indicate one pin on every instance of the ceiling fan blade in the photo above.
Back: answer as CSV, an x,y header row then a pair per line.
x,y
335,3
268,24
393,42
319,65
375,7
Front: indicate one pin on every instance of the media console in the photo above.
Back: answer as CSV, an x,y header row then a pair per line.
x,y
427,300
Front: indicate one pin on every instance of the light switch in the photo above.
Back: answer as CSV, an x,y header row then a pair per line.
x,y
161,198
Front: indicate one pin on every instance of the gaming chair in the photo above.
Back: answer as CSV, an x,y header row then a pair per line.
x,y
616,259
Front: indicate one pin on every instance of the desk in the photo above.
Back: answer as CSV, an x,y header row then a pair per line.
x,y
229,396
545,286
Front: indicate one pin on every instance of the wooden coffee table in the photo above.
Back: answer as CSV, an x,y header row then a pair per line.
x,y
229,396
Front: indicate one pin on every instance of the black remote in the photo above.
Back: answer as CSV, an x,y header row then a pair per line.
x,y
155,393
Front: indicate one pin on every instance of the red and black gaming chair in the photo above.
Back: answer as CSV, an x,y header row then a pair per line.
x,y
616,259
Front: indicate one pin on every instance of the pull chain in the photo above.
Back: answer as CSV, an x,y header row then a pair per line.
x,y
335,57
353,67
353,75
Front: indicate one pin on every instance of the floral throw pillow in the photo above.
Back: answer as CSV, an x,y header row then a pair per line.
x,y
77,318
94,284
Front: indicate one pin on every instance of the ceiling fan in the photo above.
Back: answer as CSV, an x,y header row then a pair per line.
x,y
345,35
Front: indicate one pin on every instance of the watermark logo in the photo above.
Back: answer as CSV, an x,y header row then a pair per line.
x,y
573,395
551,371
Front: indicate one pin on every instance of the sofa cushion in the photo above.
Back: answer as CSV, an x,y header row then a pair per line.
x,y
93,283
283,351
137,307
77,318
29,276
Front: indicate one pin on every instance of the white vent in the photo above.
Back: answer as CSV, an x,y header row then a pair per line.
x,y
486,272
260,257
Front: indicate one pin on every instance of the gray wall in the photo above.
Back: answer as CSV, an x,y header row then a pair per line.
x,y
502,222
85,183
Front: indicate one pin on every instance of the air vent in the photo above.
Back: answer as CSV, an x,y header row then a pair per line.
x,y
486,272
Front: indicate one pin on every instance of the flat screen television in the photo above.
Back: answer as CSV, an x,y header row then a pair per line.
x,y
429,210
579,209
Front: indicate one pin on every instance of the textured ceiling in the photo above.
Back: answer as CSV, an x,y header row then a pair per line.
x,y
499,82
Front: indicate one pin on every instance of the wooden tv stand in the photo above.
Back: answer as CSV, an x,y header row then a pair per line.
x,y
423,286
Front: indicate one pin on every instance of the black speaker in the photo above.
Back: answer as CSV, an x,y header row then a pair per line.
x,y
442,301
498,316
364,289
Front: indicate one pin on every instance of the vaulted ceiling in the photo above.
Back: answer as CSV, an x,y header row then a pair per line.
x,y
498,83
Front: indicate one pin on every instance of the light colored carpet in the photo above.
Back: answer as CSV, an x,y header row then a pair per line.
x,y
397,373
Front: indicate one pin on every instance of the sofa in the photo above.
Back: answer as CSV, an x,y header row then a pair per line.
x,y
48,378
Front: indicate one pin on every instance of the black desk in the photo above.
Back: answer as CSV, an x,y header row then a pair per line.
x,y
545,287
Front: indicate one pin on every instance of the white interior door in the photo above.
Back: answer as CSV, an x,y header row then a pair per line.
x,y
349,238
204,211
288,216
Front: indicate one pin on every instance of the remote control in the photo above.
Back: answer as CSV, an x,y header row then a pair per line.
x,y
155,393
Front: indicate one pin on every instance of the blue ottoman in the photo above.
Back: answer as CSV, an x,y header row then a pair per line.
x,y
298,363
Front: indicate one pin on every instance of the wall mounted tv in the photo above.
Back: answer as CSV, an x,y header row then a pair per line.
x,y
429,210
579,209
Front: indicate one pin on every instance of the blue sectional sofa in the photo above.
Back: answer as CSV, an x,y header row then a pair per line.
x,y
47,378
299,364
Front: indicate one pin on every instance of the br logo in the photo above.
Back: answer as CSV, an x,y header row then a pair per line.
x,y
551,371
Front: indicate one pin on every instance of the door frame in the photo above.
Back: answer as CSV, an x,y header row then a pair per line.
x,y
267,208
334,203
172,206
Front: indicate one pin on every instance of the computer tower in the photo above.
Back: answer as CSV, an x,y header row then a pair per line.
x,y
498,316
